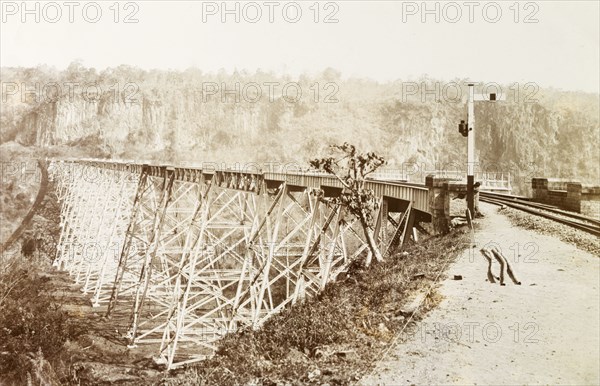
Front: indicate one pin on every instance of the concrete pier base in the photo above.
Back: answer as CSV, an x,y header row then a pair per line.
x,y
553,191
439,203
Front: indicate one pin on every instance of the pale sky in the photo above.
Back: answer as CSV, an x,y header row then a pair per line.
x,y
370,39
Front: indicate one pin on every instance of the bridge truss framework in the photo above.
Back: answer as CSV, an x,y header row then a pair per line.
x,y
178,257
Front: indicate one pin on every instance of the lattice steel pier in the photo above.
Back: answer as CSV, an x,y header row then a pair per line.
x,y
185,255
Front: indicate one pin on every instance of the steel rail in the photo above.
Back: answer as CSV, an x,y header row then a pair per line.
x,y
595,230
549,208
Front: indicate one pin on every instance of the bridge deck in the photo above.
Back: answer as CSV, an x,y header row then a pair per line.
x,y
252,180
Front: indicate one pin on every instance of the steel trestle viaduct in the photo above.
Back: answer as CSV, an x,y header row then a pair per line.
x,y
180,256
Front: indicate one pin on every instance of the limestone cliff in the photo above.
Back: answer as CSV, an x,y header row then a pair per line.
x,y
170,118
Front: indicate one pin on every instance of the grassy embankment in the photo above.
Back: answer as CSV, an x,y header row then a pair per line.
x,y
341,334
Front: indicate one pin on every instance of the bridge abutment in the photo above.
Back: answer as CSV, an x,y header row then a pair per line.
x,y
573,201
563,194
590,193
439,203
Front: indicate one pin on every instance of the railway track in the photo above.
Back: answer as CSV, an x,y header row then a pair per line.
x,y
574,220
29,216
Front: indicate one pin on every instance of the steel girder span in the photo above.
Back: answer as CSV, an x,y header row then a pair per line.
x,y
177,257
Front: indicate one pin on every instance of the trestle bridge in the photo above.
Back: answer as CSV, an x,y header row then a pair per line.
x,y
179,256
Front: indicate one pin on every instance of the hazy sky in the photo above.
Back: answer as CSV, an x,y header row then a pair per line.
x,y
382,40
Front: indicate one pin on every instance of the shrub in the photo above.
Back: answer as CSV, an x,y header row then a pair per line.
x,y
32,324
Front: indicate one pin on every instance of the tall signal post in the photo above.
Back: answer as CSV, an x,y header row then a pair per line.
x,y
468,130
471,151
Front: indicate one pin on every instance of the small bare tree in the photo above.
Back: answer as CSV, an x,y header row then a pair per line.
x,y
351,169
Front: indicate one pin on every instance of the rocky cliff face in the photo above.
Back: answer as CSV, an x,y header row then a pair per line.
x,y
158,123
556,136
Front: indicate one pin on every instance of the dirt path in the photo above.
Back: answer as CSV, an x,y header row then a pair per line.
x,y
546,331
